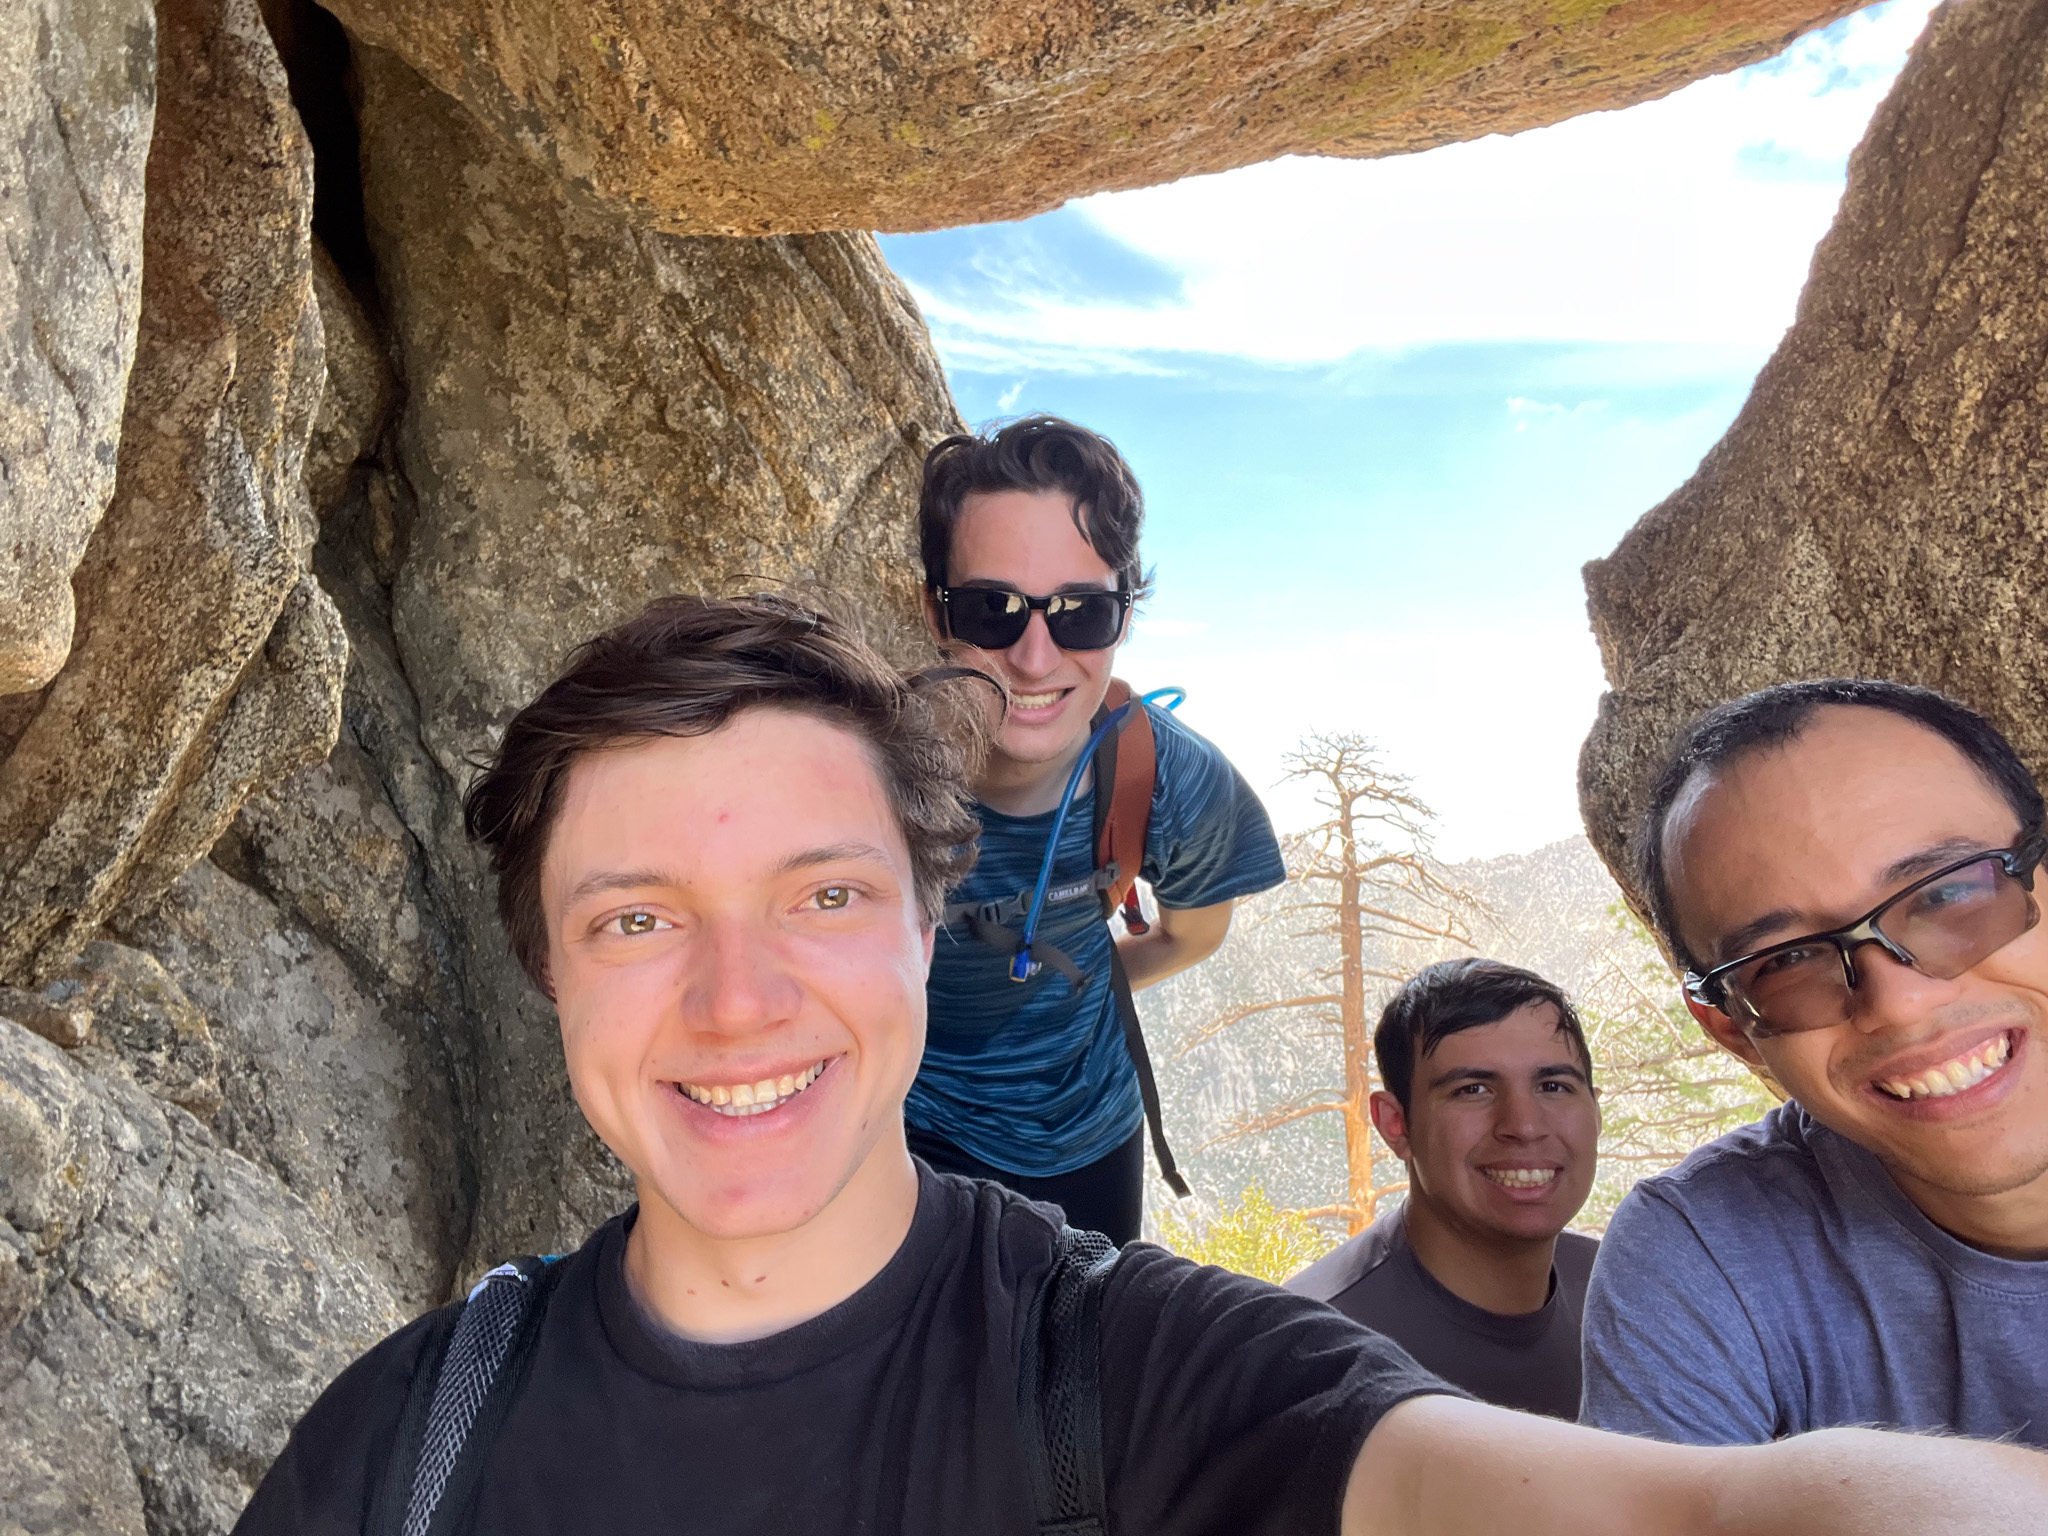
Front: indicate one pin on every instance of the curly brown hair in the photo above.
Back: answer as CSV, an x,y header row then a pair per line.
x,y
1035,453
684,667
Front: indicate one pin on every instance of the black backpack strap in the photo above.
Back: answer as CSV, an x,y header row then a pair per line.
x,y
1148,1086
1059,1388
460,1394
1120,987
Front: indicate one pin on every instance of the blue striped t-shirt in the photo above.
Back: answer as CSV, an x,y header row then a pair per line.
x,y
1032,1077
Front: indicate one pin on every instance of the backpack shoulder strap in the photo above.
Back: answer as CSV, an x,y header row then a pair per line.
x,y
460,1393
1126,772
1128,762
1059,1388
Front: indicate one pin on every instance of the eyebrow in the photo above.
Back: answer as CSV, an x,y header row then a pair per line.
x,y
618,880
832,853
1928,860
1743,940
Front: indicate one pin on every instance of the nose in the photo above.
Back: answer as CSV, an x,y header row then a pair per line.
x,y
1518,1117
737,985
1034,654
1890,993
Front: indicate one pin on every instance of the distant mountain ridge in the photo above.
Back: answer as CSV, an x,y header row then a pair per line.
x,y
1556,909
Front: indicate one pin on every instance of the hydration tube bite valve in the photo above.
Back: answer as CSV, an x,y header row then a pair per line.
x,y
1022,966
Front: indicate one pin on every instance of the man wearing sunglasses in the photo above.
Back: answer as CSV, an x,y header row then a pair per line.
x,y
1029,537
1848,872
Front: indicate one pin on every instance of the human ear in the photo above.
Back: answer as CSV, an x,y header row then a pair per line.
x,y
1391,1121
933,621
1724,1031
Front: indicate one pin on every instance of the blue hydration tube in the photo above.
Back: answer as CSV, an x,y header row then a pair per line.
x,y
1022,965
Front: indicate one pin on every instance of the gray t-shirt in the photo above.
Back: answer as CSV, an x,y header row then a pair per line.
x,y
1528,1360
1778,1281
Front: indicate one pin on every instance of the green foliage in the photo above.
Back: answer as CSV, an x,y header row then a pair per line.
x,y
1252,1237
1666,1088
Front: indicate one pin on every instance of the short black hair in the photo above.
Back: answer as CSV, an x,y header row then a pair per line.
x,y
1453,996
1774,716
1035,453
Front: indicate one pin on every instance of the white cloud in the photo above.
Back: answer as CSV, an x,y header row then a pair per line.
x,y
1527,413
1688,220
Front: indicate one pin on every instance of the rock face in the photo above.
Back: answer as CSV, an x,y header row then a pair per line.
x,y
205,661
1878,507
598,414
766,117
171,1310
77,95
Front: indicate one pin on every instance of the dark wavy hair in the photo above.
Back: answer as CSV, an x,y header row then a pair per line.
x,y
1451,997
684,667
1776,715
1035,453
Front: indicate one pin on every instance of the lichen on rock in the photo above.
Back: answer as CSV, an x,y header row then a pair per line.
x,y
597,415
139,751
770,117
175,1309
77,99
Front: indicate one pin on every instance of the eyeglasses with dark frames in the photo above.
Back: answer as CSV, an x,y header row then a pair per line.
x,y
995,618
1940,925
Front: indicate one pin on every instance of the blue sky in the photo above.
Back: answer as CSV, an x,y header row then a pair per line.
x,y
1384,410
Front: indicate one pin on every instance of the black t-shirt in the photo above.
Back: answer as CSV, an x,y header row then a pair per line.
x,y
1528,1361
1229,1407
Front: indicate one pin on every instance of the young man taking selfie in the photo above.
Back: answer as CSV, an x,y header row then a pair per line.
x,y
1030,544
722,839
1487,1096
1849,873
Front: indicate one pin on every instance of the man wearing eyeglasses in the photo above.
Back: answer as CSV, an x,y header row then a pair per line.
x,y
1848,871
1029,537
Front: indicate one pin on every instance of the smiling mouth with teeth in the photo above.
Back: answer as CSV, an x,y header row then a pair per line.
x,y
1035,700
735,1100
1521,1178
1953,1076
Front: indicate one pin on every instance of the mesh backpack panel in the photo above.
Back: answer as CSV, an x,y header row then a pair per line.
x,y
459,1399
1059,1388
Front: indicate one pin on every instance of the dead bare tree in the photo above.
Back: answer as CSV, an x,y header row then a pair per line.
x,y
1365,877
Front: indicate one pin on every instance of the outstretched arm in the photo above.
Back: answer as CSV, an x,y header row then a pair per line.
x,y
1440,1466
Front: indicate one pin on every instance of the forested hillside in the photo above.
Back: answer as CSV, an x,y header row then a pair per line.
x,y
1255,1104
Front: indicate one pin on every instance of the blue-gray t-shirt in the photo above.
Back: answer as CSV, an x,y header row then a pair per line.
x,y
1031,1077
1778,1281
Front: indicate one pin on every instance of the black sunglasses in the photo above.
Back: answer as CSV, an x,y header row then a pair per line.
x,y
1940,925
995,618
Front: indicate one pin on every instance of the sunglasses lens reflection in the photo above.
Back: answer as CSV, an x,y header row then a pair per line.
x,y
984,616
995,619
1086,621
